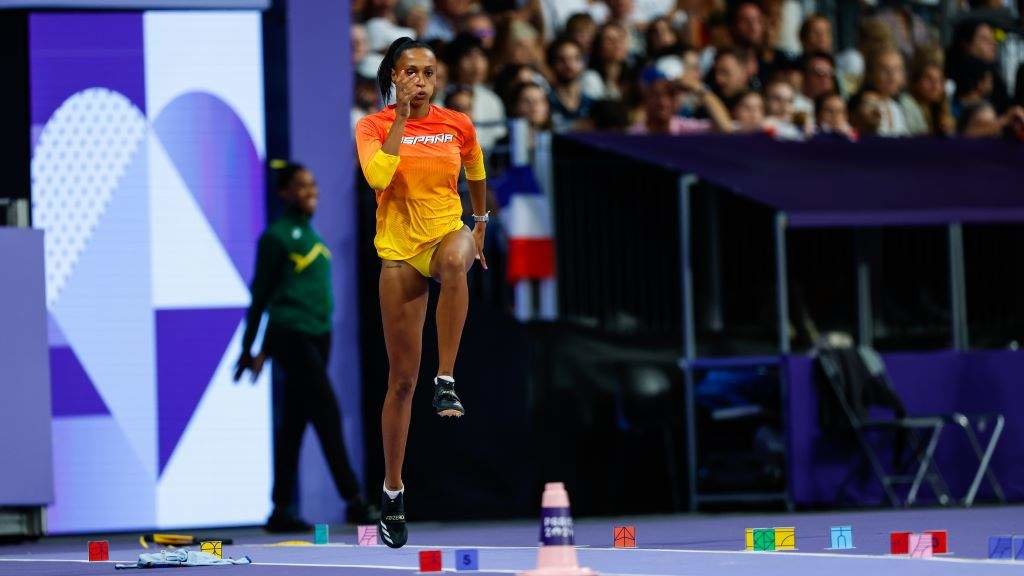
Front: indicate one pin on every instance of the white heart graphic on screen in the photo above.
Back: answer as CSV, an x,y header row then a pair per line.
x,y
80,158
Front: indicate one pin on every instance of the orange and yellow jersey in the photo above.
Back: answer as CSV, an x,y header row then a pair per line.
x,y
417,191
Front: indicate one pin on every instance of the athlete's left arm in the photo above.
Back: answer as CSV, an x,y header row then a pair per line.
x,y
476,176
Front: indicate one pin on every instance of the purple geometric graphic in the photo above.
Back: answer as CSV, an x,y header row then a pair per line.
x,y
71,52
73,391
220,167
191,343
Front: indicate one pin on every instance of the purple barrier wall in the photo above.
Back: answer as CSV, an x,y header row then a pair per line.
x,y
320,99
25,435
929,383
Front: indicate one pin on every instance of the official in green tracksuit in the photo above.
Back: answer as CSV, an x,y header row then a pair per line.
x,y
292,284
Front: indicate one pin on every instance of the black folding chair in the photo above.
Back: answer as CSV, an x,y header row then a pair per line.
x,y
857,381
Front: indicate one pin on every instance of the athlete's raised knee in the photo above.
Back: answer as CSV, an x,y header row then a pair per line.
x,y
452,266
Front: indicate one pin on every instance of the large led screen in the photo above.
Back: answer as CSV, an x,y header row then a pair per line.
x,y
147,177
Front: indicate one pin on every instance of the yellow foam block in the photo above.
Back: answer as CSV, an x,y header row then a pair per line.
x,y
748,539
291,544
215,547
785,538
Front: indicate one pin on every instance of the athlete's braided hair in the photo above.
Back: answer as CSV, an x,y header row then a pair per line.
x,y
390,59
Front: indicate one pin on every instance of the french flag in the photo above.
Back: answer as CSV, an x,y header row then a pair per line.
x,y
526,215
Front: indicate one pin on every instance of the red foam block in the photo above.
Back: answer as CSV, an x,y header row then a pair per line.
x,y
624,536
430,561
99,551
899,543
940,541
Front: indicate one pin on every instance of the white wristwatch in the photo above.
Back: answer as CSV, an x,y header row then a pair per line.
x,y
485,218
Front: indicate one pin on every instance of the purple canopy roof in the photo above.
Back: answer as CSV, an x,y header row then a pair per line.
x,y
834,182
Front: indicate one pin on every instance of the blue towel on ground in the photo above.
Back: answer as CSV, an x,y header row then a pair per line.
x,y
179,558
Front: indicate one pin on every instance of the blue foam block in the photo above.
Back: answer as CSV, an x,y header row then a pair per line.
x,y
841,537
1000,547
467,560
320,534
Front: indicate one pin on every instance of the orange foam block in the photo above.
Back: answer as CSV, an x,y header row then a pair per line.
x,y
624,536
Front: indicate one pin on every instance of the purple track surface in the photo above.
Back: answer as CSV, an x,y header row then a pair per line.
x,y
676,545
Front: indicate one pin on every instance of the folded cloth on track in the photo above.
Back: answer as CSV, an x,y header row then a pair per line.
x,y
181,558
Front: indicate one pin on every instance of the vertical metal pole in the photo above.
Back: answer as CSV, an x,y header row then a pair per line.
x,y
715,322
782,283
686,182
865,314
958,286
782,287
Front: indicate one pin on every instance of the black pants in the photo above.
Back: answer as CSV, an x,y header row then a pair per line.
x,y
306,397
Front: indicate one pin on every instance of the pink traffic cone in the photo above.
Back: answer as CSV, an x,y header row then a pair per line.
x,y
556,555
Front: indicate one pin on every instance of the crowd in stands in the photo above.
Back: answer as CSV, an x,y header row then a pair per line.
x,y
700,66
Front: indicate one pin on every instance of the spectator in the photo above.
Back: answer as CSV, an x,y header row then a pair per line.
x,y
690,58
816,35
611,73
867,112
518,43
784,18
382,25
460,99
973,87
873,36
819,79
480,25
661,38
780,113
748,113
886,75
582,29
441,76
731,76
979,120
360,43
624,13
568,102
530,102
512,76
662,97
748,26
468,64
831,116
909,32
365,99
928,88
415,14
719,37
442,23
750,31
973,46
557,13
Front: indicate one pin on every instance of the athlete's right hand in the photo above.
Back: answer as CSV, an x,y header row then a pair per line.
x,y
405,90
248,362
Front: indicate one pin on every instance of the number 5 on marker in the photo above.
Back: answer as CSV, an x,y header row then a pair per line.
x,y
467,560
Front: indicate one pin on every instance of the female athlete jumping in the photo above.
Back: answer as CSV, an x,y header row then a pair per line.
x,y
411,154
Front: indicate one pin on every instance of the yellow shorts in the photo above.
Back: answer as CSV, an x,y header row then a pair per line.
x,y
421,261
